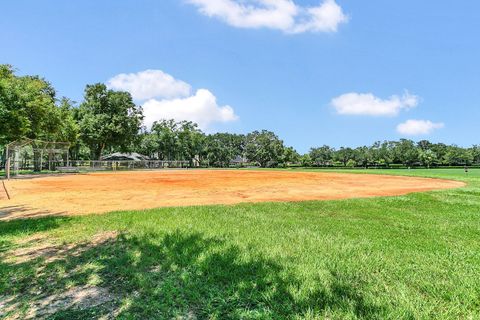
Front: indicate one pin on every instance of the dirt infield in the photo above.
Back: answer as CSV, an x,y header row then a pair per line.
x,y
104,192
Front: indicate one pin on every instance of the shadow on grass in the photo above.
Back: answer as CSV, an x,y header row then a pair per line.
x,y
31,225
175,275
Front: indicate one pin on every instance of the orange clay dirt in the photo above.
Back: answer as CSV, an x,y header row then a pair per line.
x,y
104,192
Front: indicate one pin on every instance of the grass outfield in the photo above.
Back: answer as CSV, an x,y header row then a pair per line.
x,y
407,257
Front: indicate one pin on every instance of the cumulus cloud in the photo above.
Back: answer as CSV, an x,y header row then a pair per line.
x,y
418,127
201,108
282,15
150,84
370,105
164,97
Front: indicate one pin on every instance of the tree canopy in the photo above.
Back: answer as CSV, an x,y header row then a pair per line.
x,y
108,121
27,107
264,147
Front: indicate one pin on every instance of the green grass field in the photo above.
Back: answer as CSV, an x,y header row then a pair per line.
x,y
408,257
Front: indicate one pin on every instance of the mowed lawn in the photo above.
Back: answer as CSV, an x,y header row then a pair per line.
x,y
408,257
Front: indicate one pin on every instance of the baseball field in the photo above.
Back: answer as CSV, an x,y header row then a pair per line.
x,y
139,190
264,244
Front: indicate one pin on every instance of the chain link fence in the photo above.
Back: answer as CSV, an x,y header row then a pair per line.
x,y
77,166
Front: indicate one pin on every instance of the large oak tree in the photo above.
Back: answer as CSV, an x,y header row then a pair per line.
x,y
265,148
27,107
108,119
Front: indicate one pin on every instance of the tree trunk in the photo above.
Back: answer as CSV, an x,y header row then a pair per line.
x,y
96,153
100,151
37,161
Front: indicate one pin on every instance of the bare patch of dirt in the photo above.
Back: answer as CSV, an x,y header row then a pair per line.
x,y
112,191
82,297
41,305
38,246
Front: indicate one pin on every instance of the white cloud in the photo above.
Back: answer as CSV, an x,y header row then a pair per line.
x,y
282,15
368,104
164,97
201,108
150,84
418,127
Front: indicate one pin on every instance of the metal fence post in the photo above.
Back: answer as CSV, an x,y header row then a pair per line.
x,y
7,168
7,165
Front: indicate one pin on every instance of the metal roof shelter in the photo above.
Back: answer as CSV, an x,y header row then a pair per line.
x,y
118,156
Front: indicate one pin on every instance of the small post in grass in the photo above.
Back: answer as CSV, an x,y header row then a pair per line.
x,y
7,165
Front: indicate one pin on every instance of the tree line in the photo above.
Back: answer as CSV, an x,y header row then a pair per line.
x,y
108,121
404,152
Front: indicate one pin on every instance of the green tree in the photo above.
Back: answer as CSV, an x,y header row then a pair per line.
x,y
440,149
215,152
363,156
424,145
165,132
290,155
190,140
458,156
27,107
264,147
476,154
351,163
306,161
148,145
381,153
68,130
344,155
108,119
427,157
221,148
405,152
322,156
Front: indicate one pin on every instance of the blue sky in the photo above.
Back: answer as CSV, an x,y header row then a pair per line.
x,y
350,73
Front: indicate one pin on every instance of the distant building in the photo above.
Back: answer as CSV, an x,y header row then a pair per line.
x,y
118,156
239,160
